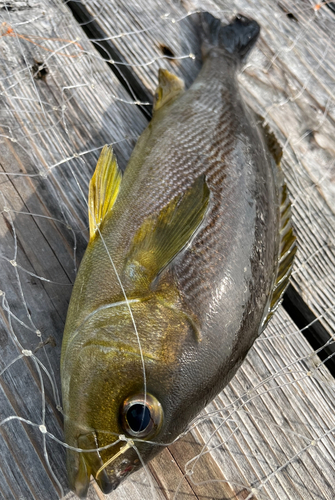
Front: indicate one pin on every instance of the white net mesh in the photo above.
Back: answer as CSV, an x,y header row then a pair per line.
x,y
270,433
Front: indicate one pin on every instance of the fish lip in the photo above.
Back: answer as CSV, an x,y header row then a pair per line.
x,y
77,473
109,482
79,480
112,476
82,464
106,484
80,489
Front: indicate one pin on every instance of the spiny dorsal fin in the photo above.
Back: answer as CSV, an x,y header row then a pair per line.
x,y
287,251
169,88
103,190
162,237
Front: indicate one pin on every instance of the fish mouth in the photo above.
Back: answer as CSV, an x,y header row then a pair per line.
x,y
81,482
108,474
115,469
107,484
110,479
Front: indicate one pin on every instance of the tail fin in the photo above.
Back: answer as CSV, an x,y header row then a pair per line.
x,y
237,38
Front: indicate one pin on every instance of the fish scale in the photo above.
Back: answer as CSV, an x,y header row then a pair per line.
x,y
173,170
190,252
207,244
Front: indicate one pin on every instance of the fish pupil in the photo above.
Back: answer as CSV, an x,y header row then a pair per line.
x,y
138,417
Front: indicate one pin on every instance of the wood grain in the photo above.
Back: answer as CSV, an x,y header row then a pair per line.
x,y
270,433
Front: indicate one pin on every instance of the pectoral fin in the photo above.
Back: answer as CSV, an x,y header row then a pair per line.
x,y
103,190
169,88
162,237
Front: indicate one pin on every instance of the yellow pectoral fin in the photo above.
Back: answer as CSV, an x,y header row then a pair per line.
x,y
169,88
103,190
162,237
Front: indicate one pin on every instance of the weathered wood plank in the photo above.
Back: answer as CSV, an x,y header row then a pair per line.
x,y
277,392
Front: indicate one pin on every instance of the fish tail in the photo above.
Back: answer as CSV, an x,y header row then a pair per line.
x,y
236,38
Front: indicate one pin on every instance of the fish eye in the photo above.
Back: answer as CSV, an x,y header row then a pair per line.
x,y
141,415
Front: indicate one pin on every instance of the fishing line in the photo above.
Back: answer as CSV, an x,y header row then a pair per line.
x,y
133,321
97,228
45,130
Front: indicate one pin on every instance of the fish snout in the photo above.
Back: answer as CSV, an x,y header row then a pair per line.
x,y
117,468
107,473
79,478
82,464
78,474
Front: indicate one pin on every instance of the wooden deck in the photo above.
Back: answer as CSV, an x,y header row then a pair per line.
x,y
270,433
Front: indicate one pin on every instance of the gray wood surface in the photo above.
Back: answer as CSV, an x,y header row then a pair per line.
x,y
270,433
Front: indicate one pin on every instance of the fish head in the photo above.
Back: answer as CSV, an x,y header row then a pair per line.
x,y
117,381
122,359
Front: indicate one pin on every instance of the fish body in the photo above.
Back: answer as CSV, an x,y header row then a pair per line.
x,y
189,255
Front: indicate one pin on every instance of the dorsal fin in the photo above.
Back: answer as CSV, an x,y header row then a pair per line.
x,y
287,243
287,251
169,88
103,190
270,140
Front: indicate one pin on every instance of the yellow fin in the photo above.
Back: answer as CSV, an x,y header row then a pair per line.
x,y
169,87
287,243
162,237
270,140
287,251
103,190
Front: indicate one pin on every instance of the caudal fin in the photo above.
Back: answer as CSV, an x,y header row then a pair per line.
x,y
236,38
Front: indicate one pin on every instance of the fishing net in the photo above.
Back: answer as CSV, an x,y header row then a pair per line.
x,y
70,84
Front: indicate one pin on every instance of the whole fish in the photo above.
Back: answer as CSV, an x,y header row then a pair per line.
x,y
189,254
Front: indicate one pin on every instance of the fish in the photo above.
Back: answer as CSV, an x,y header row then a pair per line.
x,y
190,252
